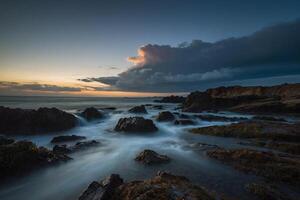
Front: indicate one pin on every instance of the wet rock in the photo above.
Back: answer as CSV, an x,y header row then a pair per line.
x,y
254,129
135,124
171,99
158,107
198,146
269,118
85,144
91,114
43,120
138,109
67,138
165,116
272,166
266,191
163,186
149,157
287,147
212,118
4,140
184,122
103,190
23,156
61,149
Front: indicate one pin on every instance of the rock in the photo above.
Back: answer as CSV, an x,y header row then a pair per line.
x,y
198,146
165,116
288,147
171,99
135,124
85,144
164,186
4,140
91,114
254,129
272,166
61,149
268,118
43,120
266,191
104,190
138,109
212,118
159,107
67,138
149,157
276,99
184,122
23,156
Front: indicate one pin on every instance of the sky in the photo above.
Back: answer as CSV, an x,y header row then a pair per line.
x,y
145,48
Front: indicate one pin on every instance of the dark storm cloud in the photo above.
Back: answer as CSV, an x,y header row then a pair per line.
x,y
36,87
270,52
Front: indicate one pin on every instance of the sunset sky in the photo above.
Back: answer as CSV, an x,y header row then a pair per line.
x,y
145,48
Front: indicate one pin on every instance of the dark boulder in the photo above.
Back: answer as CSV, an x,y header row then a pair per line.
x,y
43,120
135,124
138,109
67,138
103,190
149,157
165,116
23,156
184,122
91,114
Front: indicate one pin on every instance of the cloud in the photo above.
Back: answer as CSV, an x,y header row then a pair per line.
x,y
271,52
9,86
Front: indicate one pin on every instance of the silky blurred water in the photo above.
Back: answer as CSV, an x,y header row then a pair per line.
x,y
117,152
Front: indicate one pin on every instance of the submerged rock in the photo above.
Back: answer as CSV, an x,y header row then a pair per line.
x,y
149,157
159,107
43,120
165,116
272,166
135,124
184,122
23,156
91,114
67,138
138,109
61,149
163,186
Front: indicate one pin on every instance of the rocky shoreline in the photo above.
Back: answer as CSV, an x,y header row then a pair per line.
x,y
279,137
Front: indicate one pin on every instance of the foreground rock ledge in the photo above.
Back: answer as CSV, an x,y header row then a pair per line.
x,y
150,157
274,167
43,120
135,124
163,186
